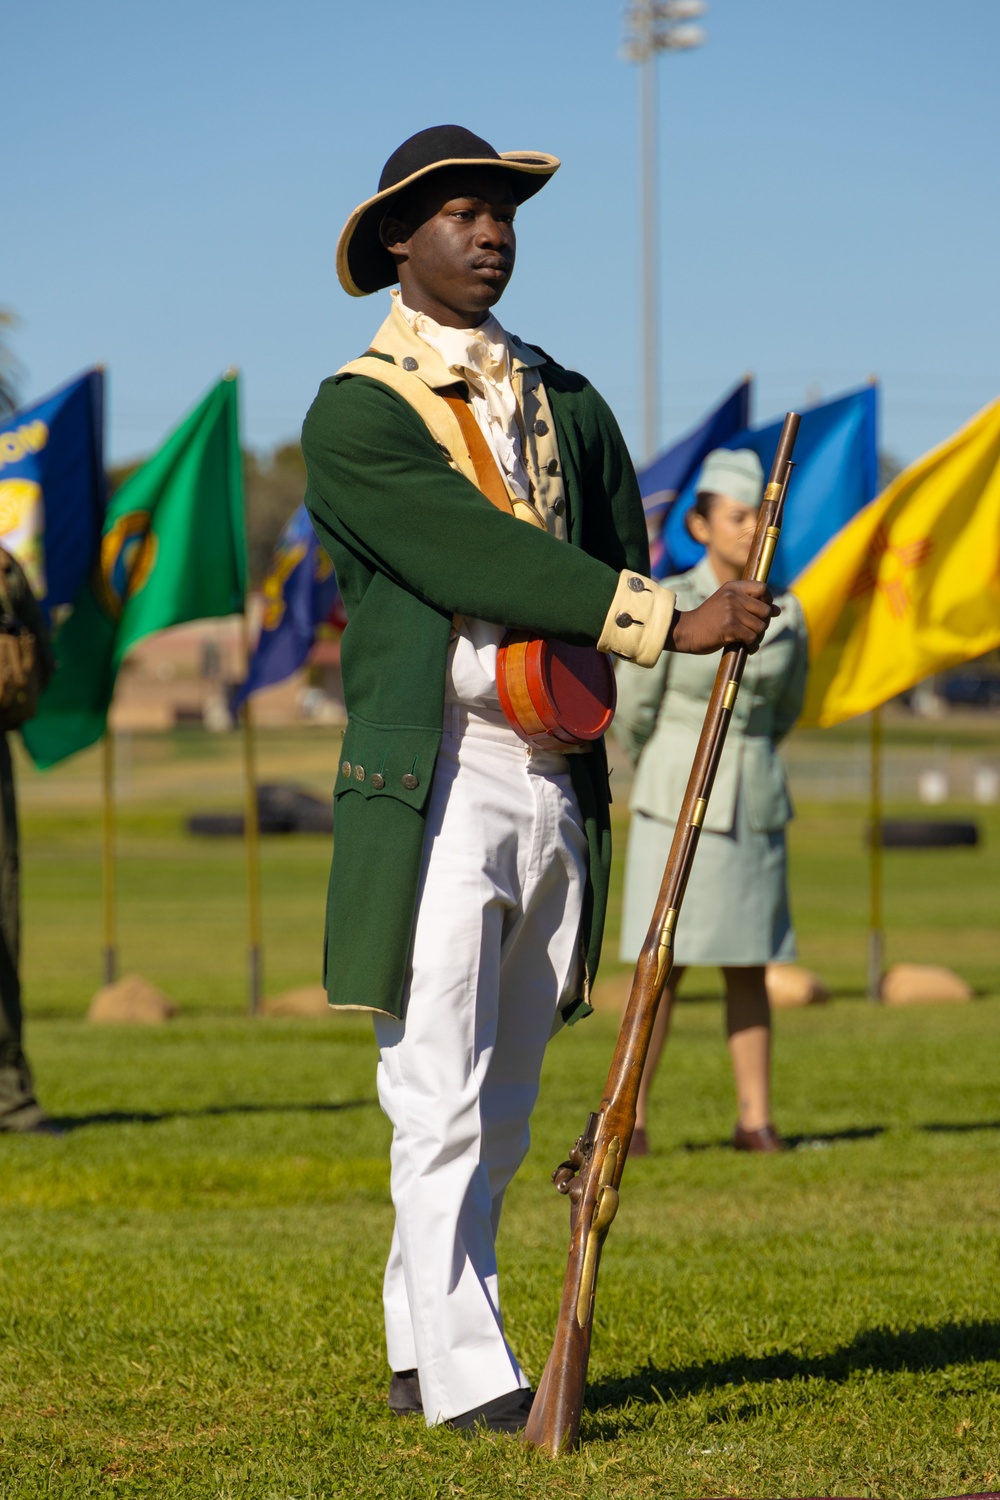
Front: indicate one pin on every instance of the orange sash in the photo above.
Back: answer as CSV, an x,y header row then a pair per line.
x,y
554,696
487,473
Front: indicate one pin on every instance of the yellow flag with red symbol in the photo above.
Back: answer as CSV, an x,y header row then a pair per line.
x,y
912,584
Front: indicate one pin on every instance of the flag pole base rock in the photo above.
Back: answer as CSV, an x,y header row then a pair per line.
x,y
923,984
131,1001
789,986
308,1000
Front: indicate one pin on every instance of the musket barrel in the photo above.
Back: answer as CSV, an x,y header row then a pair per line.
x,y
786,447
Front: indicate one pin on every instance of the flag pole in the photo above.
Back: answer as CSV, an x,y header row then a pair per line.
x,y
875,934
251,839
108,872
251,822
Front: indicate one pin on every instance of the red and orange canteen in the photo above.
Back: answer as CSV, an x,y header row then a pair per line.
x,y
555,695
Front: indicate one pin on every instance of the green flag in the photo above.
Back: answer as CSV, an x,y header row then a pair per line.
x,y
173,549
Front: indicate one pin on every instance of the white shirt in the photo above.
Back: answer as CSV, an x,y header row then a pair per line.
x,y
481,357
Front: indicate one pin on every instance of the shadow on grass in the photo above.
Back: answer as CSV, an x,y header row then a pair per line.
x,y
833,1137
815,1141
210,1111
875,1351
961,1129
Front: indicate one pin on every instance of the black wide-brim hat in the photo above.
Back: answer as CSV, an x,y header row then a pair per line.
x,y
364,265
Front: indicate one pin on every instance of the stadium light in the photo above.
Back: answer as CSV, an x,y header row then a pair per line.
x,y
655,26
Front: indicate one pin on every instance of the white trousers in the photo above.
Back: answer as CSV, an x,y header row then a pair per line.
x,y
495,950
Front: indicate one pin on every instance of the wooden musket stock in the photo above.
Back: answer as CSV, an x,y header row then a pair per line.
x,y
591,1177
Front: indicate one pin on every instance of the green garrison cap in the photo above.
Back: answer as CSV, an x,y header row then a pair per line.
x,y
735,472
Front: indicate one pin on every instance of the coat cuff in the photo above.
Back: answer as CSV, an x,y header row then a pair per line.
x,y
639,619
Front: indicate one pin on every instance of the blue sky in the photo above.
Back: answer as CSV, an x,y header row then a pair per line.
x,y
175,178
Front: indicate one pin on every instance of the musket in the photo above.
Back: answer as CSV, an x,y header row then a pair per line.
x,y
591,1177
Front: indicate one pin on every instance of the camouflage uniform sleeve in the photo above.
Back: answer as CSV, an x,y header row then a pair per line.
x,y
26,609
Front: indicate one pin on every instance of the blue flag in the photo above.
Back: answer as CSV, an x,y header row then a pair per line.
x,y
300,593
52,493
835,475
662,480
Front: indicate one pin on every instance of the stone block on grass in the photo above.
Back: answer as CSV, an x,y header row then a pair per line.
x,y
788,985
131,1001
923,984
307,1000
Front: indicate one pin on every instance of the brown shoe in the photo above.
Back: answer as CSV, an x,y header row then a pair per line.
x,y
640,1142
764,1139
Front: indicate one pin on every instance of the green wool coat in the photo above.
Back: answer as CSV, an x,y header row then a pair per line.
x,y
413,543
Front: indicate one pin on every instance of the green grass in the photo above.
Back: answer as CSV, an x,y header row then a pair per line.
x,y
181,901
192,1272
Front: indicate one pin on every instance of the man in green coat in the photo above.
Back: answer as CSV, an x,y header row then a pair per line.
x,y
19,1109
470,873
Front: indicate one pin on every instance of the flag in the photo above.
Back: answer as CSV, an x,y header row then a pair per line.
x,y
835,475
52,488
172,549
912,585
300,593
662,480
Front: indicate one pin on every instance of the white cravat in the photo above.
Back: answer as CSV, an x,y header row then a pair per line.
x,y
481,357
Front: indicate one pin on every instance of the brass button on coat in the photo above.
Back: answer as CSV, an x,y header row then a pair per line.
x,y
410,782
378,782
345,768
409,363
541,428
359,773
552,467
623,621
637,586
559,506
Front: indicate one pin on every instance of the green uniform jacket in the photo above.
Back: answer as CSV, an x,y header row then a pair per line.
x,y
413,543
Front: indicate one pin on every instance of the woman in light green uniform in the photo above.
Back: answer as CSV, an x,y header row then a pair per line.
x,y
735,912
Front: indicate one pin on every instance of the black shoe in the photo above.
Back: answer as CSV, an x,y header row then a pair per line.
x,y
507,1413
404,1393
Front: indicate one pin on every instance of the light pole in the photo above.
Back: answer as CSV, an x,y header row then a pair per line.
x,y
653,28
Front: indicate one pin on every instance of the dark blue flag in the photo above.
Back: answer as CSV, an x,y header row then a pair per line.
x,y
835,475
662,480
52,492
300,593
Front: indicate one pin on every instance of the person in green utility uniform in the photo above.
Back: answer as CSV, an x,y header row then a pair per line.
x,y
20,1111
470,872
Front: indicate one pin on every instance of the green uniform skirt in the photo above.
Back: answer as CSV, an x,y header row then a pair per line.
x,y
735,910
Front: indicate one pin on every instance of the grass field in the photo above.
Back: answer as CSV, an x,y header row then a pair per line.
x,y
193,1269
